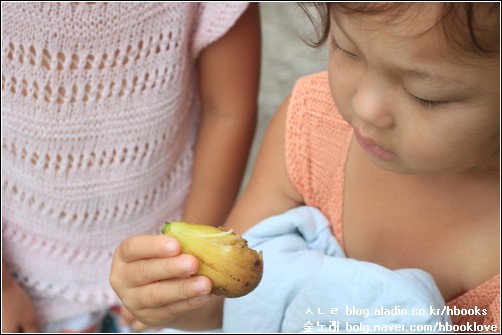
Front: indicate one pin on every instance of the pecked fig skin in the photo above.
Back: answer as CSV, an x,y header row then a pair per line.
x,y
224,257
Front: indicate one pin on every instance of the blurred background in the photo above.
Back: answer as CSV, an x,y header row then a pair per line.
x,y
285,58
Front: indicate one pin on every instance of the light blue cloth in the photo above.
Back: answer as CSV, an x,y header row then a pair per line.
x,y
306,273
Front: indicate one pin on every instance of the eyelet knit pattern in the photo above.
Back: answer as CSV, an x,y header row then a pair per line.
x,y
317,144
99,117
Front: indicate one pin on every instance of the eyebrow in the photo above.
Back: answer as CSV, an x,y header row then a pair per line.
x,y
424,75
340,26
419,74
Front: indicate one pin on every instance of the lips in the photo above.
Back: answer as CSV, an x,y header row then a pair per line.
x,y
373,148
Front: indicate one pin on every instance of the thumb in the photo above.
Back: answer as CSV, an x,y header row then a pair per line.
x,y
138,326
128,319
126,316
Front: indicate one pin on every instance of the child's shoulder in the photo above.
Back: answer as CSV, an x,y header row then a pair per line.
x,y
311,97
312,82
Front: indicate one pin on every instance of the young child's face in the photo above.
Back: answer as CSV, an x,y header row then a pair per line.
x,y
417,104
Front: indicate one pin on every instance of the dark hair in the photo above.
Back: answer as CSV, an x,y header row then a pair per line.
x,y
473,27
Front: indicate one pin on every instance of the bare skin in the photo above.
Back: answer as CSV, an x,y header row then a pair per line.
x,y
18,313
228,118
427,198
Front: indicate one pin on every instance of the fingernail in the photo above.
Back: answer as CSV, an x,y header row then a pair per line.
x,y
188,265
200,286
171,246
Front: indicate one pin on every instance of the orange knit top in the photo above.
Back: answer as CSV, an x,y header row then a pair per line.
x,y
317,144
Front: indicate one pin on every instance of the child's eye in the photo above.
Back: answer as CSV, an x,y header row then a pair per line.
x,y
336,47
427,103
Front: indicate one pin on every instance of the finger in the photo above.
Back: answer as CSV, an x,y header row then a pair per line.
x,y
126,316
169,291
147,271
161,316
147,246
137,326
128,320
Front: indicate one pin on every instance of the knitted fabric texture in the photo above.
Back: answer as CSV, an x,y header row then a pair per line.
x,y
99,118
317,145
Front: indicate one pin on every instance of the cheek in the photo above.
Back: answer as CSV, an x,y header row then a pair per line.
x,y
339,87
448,151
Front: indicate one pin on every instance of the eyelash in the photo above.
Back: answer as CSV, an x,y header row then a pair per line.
x,y
427,103
422,102
336,47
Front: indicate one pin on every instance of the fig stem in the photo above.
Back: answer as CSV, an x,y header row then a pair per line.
x,y
166,227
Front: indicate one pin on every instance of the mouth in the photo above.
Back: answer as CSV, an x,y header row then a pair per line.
x,y
372,147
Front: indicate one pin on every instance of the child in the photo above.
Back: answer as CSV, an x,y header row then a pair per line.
x,y
398,141
115,118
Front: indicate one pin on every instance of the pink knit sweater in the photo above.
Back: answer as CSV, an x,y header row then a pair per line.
x,y
99,113
317,144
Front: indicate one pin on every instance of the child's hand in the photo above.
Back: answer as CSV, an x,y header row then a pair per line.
x,y
128,320
154,281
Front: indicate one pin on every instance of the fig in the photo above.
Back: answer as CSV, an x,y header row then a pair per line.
x,y
224,257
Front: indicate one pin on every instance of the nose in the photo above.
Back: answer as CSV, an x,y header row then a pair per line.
x,y
372,104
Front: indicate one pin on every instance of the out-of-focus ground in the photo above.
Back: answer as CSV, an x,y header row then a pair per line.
x,y
285,58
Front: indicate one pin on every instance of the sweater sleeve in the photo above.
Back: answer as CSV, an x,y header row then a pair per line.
x,y
297,162
214,20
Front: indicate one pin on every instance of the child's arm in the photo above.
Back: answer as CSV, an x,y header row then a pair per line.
x,y
229,71
18,312
270,190
147,276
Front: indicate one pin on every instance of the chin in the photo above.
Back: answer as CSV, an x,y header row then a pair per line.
x,y
395,166
405,169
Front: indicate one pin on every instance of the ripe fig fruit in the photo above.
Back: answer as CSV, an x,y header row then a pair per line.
x,y
224,257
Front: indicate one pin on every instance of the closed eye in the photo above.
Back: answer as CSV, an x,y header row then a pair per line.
x,y
427,103
336,47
